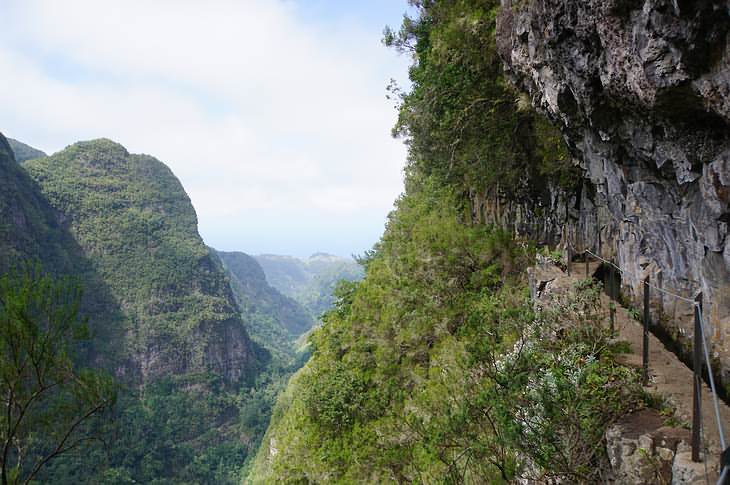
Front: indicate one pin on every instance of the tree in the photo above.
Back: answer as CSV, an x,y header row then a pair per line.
x,y
461,119
49,403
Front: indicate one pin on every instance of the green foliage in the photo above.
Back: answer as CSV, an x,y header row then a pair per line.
x,y
462,121
435,368
335,397
276,312
51,404
172,330
133,219
553,256
634,313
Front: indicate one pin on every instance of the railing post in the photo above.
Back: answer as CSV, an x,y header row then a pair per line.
x,y
697,380
585,256
645,353
611,297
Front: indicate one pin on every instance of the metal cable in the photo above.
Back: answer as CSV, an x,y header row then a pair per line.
x,y
725,475
712,379
684,298
715,401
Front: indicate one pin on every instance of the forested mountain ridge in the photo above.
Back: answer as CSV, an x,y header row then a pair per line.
x,y
260,297
310,281
273,320
135,223
163,317
171,319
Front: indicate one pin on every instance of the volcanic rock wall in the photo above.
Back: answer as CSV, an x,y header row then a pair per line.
x,y
641,91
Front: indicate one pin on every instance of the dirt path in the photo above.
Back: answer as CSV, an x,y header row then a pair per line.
x,y
668,376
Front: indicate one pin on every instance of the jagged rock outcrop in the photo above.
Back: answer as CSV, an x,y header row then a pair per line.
x,y
641,91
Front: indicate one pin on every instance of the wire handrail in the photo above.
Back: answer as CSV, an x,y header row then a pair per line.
x,y
720,427
725,471
661,290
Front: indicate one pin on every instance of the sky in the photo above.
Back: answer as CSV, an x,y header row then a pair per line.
x,y
271,112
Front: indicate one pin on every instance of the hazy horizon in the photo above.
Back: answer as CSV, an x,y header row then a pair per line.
x,y
283,104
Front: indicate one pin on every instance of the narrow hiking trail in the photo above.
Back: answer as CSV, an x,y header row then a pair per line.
x,y
668,376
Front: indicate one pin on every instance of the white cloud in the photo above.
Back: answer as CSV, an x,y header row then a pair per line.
x,y
251,107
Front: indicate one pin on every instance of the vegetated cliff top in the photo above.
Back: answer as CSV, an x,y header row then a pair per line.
x,y
134,221
24,152
167,321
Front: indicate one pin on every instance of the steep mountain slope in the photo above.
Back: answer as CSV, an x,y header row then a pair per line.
x,y
437,367
256,296
24,152
309,281
167,325
133,219
434,369
28,224
273,321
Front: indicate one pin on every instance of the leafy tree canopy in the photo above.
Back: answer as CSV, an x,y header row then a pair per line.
x,y
50,404
462,121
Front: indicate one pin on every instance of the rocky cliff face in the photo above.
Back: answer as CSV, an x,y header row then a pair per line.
x,y
641,91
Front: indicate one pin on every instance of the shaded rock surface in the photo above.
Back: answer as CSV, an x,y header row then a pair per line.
x,y
29,227
641,91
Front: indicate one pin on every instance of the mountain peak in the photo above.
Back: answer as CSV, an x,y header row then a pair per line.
x,y
100,147
321,255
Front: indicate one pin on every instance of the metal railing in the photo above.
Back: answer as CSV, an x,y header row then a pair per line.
x,y
700,350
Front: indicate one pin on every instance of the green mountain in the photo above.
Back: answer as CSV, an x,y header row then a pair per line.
x,y
164,318
134,221
310,281
24,152
273,320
